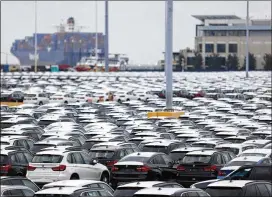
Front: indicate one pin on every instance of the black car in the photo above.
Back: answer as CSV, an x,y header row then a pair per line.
x,y
258,172
129,189
18,180
200,165
18,190
239,188
109,155
143,166
14,162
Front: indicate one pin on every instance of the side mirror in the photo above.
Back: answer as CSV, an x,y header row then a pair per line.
x,y
93,162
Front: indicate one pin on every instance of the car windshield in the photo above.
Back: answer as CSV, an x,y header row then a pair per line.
x,y
37,147
126,191
196,158
240,163
176,156
223,191
102,154
47,159
203,145
135,158
163,149
3,159
234,150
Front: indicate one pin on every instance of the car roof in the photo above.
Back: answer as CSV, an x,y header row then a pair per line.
x,y
230,183
72,183
258,150
4,187
186,149
59,190
160,191
247,158
141,184
143,154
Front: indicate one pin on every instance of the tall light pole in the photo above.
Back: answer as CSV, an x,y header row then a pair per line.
x,y
165,46
96,36
106,40
247,40
35,53
168,54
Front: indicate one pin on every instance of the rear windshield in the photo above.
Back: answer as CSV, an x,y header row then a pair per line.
x,y
234,150
134,158
196,158
162,149
176,156
223,192
102,154
89,144
204,145
3,159
47,159
6,125
51,195
30,95
44,123
38,147
240,163
126,192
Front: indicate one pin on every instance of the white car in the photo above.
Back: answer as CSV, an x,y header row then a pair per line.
x,y
262,152
56,165
83,97
36,98
62,98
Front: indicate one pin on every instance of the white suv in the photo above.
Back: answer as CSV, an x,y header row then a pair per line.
x,y
36,98
56,165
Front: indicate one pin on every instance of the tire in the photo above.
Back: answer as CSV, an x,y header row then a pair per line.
x,y
139,99
40,103
105,177
65,102
74,177
128,99
119,101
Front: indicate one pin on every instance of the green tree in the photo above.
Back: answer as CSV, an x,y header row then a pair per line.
x,y
214,62
267,61
232,62
251,63
197,62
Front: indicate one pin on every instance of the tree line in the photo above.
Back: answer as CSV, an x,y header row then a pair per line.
x,y
216,63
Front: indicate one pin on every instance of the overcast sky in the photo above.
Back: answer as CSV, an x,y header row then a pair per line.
x,y
135,28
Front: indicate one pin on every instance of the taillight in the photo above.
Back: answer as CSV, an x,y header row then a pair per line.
x,y
59,168
31,168
143,169
180,168
114,168
5,168
210,168
222,173
111,163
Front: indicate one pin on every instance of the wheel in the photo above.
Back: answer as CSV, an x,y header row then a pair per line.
x,y
139,99
65,102
74,177
105,177
40,103
128,99
119,101
107,99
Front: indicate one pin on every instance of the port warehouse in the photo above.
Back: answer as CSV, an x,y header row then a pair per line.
x,y
220,34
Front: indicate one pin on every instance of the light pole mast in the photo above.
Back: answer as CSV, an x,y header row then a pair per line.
x,y
96,36
106,40
168,54
247,38
35,53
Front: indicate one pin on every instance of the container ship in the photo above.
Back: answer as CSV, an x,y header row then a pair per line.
x,y
65,47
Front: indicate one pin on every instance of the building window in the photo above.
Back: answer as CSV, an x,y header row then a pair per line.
x,y
200,47
209,48
221,48
233,48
